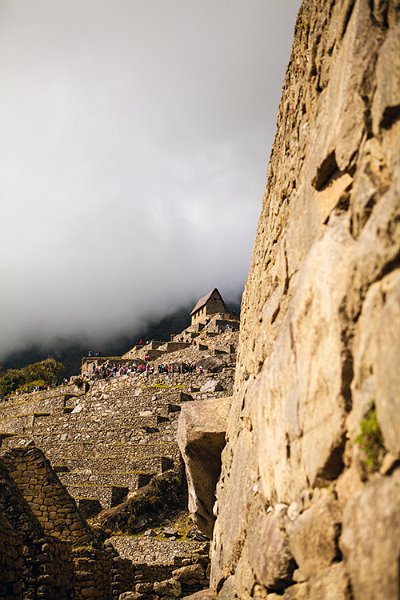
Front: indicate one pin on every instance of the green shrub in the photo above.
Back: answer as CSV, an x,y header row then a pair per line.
x,y
10,381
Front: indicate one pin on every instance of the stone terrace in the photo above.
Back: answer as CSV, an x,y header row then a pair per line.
x,y
105,439
110,440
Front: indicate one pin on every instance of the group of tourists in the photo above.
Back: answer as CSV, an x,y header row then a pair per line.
x,y
109,369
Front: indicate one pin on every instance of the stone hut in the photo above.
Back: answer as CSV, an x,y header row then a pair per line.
x,y
210,304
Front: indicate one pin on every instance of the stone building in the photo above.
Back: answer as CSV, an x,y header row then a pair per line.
x,y
210,304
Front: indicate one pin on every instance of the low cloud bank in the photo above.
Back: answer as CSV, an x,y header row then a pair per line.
x,y
135,138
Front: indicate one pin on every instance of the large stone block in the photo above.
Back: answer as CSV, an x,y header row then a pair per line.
x,y
269,552
294,592
201,438
387,398
170,588
230,533
228,590
371,180
313,537
189,574
371,539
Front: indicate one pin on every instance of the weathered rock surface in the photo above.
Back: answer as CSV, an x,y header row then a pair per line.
x,y
329,584
376,359
316,403
371,539
274,565
201,438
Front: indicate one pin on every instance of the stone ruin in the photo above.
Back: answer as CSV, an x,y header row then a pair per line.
x,y
47,548
75,461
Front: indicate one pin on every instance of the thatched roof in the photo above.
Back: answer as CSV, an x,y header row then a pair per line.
x,y
204,299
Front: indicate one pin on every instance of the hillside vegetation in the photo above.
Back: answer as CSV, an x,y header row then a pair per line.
x,y
36,375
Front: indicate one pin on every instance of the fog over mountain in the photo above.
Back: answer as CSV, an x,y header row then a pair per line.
x,y
135,137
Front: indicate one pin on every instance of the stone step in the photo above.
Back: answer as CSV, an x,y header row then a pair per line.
x,y
69,426
83,422
108,438
14,440
130,479
30,406
157,552
147,409
149,464
17,424
134,456
130,402
56,449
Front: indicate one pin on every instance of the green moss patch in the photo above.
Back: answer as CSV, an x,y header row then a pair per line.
x,y
370,440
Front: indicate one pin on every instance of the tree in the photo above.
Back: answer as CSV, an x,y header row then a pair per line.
x,y
47,372
10,381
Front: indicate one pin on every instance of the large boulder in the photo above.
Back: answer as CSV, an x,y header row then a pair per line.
x,y
201,438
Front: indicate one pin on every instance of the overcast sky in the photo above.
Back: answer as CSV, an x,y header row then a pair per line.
x,y
134,142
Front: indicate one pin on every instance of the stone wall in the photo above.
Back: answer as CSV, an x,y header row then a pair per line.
x,y
46,548
308,499
32,564
50,502
11,562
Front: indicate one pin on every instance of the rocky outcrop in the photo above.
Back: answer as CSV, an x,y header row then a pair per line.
x,y
306,502
201,438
